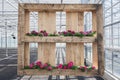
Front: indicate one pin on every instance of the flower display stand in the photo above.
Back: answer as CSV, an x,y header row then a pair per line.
x,y
74,45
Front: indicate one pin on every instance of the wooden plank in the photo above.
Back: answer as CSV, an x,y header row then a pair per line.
x,y
20,60
100,46
47,21
75,51
71,24
26,45
94,45
59,39
60,7
81,45
60,72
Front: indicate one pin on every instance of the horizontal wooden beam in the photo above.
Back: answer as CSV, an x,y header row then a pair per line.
x,y
60,7
59,72
59,39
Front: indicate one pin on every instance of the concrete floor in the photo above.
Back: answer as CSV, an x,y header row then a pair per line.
x,y
8,69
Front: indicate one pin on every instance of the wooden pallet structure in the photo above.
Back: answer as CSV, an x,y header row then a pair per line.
x,y
74,45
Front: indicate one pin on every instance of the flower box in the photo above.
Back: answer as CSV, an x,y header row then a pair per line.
x,y
60,39
59,72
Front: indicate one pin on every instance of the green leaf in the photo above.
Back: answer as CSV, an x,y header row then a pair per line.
x,y
74,67
26,67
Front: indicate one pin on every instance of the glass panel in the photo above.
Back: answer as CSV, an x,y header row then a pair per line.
x,y
115,35
116,64
108,60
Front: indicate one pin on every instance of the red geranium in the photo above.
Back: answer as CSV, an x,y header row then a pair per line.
x,y
31,65
60,66
45,65
38,63
49,68
70,64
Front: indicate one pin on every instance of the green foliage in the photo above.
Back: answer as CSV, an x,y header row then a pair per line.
x,y
78,34
53,34
26,67
74,68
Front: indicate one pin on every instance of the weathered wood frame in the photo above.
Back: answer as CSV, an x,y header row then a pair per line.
x,y
97,22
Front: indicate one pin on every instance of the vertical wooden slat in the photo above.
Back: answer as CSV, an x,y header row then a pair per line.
x,y
71,24
75,51
81,28
20,44
46,51
26,45
94,45
100,45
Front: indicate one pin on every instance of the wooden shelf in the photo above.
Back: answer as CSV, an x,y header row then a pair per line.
x,y
59,72
60,39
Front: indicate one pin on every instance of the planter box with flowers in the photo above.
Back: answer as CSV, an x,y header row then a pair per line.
x,y
38,68
65,36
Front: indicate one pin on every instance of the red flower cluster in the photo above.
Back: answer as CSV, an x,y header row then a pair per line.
x,y
73,33
44,33
70,65
39,64
84,68
67,33
35,33
65,66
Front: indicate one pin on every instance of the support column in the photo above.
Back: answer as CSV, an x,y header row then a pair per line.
x,y
94,45
26,44
100,46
